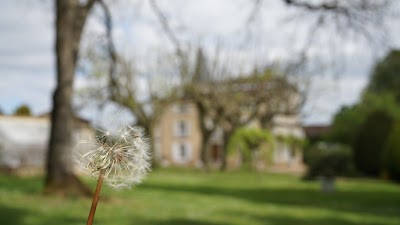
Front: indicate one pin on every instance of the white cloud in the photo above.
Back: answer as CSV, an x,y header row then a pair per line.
x,y
26,56
327,96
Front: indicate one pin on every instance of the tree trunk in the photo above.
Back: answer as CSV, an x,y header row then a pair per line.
x,y
227,135
205,133
203,152
150,133
60,177
204,144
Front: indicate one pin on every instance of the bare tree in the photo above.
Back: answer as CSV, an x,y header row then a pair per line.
x,y
70,19
124,90
232,103
364,18
227,101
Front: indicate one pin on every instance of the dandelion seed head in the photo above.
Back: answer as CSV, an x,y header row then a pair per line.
x,y
123,156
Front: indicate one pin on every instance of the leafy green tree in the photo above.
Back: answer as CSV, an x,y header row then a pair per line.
x,y
386,76
367,124
248,142
346,124
22,110
348,121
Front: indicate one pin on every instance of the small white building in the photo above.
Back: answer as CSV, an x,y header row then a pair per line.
x,y
24,140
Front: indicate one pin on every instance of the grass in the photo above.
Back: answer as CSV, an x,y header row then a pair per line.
x,y
173,197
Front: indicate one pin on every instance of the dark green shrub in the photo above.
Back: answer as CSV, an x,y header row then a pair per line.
x,y
328,160
370,142
391,158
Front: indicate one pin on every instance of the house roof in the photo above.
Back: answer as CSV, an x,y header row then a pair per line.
x,y
316,130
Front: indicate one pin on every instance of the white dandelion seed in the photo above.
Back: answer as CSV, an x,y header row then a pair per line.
x,y
121,157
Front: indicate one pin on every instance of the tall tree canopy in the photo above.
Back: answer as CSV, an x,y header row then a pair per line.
x,y
386,76
367,125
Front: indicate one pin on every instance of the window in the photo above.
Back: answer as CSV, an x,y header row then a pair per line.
x,y
182,108
182,128
181,152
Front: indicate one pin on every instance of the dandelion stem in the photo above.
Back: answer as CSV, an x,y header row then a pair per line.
x,y
95,198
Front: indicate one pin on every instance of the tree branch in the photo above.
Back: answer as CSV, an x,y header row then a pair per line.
x,y
110,48
324,6
89,4
166,27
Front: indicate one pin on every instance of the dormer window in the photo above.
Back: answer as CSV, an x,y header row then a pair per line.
x,y
181,108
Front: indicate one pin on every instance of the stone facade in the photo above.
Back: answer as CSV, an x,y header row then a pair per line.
x,y
177,140
177,136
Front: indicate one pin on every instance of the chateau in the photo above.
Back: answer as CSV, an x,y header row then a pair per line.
x,y
177,140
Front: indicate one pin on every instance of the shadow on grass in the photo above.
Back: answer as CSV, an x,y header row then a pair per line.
x,y
12,216
179,221
370,202
62,220
17,216
286,220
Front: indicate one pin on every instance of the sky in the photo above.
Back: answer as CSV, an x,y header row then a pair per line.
x,y
27,59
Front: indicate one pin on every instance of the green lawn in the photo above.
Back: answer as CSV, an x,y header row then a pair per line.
x,y
172,197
